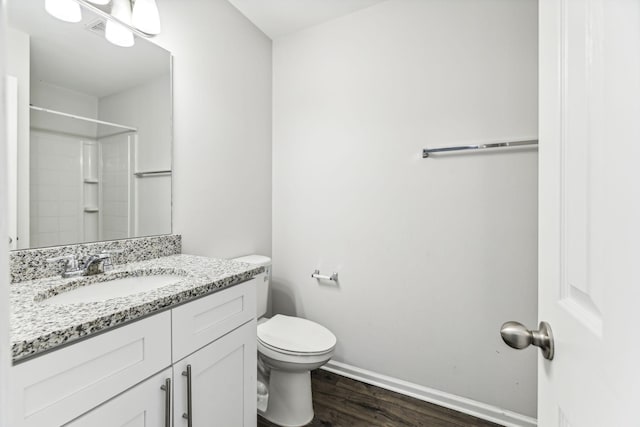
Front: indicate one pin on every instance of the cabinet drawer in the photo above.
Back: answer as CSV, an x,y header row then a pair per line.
x,y
55,388
202,321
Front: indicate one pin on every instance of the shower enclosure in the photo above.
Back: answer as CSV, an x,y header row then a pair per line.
x,y
81,178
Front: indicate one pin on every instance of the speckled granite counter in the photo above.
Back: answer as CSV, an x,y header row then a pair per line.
x,y
36,327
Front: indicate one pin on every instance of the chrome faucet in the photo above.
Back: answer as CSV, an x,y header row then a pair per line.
x,y
93,264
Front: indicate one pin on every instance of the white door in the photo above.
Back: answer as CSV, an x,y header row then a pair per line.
x,y
146,405
223,382
589,247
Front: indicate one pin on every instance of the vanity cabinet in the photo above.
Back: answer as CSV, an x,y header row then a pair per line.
x,y
118,378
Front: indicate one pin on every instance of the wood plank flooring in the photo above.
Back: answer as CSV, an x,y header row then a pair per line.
x,y
343,402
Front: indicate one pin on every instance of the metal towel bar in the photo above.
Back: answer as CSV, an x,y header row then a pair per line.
x,y
428,151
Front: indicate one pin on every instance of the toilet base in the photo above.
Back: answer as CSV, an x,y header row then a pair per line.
x,y
290,403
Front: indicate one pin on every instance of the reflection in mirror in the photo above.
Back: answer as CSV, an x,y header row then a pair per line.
x,y
90,150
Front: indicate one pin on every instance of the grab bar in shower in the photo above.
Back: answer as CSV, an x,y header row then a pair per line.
x,y
428,151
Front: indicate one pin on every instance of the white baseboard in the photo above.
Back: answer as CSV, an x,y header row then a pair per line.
x,y
451,401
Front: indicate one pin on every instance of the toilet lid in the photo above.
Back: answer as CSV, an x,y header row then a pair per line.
x,y
293,334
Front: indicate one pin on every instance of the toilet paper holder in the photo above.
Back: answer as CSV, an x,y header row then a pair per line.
x,y
316,275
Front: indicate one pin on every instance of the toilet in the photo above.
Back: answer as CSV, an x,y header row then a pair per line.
x,y
290,348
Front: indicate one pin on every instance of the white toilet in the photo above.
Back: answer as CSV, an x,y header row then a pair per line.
x,y
290,347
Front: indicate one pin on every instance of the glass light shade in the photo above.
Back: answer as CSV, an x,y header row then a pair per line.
x,y
116,33
146,16
65,10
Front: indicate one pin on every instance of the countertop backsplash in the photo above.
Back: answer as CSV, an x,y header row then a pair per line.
x,y
31,264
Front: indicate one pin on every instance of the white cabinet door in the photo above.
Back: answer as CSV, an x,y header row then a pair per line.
x,y
145,405
589,211
223,382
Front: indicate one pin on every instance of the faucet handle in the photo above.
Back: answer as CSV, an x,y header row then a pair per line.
x,y
107,253
71,266
71,261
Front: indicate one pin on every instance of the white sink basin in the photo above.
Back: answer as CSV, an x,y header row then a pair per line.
x,y
108,289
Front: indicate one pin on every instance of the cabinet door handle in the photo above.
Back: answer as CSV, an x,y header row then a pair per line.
x,y
189,414
167,402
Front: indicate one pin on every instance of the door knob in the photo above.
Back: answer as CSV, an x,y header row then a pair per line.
x,y
516,335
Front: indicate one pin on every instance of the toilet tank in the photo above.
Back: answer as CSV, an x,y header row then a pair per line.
x,y
264,279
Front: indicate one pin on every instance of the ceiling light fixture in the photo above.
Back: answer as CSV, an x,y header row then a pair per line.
x,y
115,32
65,10
146,16
127,17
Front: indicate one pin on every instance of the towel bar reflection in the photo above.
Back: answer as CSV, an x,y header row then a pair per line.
x,y
316,275
151,173
428,151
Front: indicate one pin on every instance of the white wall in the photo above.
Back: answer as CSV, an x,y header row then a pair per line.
x,y
47,95
148,108
433,254
222,128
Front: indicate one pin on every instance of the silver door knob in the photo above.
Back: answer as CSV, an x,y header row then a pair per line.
x,y
516,335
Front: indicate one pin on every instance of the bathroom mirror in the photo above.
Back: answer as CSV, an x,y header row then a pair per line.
x,y
90,132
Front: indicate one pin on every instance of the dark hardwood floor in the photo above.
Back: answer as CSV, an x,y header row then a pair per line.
x,y
341,402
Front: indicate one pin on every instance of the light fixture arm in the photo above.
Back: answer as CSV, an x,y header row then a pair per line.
x,y
110,17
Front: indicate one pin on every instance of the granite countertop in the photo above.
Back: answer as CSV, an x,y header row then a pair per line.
x,y
37,327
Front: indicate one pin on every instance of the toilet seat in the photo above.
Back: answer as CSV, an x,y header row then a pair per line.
x,y
287,361
295,336
263,345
